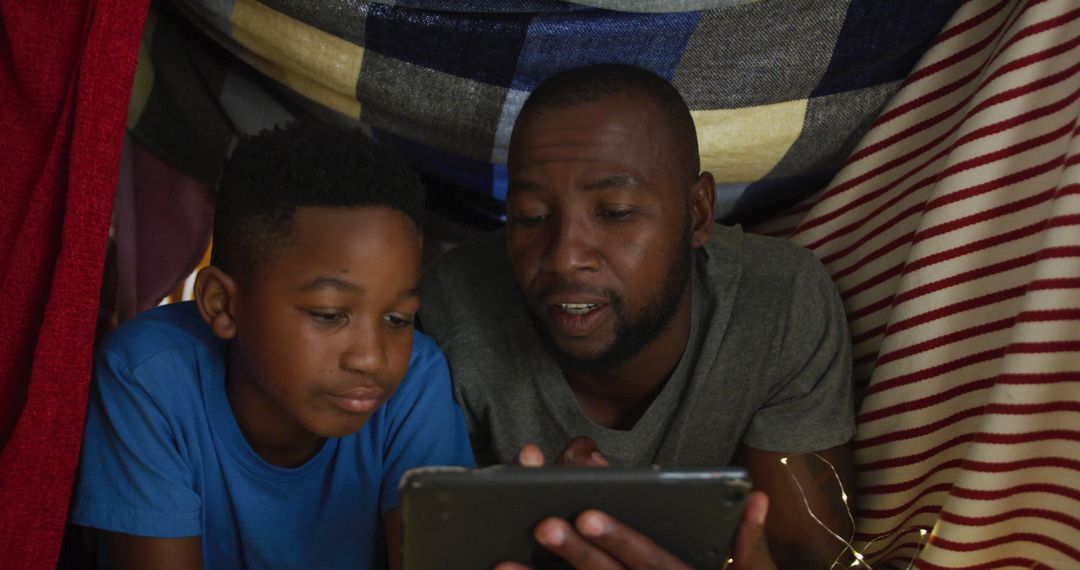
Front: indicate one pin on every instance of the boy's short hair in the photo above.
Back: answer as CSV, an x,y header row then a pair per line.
x,y
271,174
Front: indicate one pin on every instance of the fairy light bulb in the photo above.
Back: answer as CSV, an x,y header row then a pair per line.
x,y
859,558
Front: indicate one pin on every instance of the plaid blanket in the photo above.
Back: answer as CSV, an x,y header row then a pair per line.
x,y
781,90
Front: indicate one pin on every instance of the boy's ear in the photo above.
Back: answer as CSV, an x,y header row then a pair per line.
x,y
702,209
215,295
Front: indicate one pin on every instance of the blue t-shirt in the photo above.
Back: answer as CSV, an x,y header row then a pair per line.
x,y
163,456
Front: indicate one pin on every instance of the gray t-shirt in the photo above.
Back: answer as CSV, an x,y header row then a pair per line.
x,y
768,362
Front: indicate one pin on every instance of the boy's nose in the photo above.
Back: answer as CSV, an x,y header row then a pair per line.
x,y
366,351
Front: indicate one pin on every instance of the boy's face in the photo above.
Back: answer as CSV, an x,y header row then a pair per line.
x,y
324,328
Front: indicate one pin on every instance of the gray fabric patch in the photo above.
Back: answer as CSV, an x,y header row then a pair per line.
x,y
510,110
661,6
250,108
834,124
343,18
216,14
759,53
428,106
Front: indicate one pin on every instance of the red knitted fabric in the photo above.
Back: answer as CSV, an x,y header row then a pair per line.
x,y
65,79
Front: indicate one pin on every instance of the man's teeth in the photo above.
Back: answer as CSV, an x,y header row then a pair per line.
x,y
577,308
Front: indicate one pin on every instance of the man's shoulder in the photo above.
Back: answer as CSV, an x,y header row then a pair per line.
x,y
483,254
473,279
756,253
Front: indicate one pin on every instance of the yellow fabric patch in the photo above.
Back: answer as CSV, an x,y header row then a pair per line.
x,y
743,145
144,72
314,63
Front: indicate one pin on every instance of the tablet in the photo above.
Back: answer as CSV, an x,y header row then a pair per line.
x,y
474,518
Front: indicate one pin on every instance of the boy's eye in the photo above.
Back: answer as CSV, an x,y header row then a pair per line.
x,y
327,317
395,320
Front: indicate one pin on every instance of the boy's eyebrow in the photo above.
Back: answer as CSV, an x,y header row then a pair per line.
x,y
344,285
333,282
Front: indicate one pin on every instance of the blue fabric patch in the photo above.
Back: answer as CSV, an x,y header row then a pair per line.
x,y
881,41
482,47
766,198
557,42
455,169
499,181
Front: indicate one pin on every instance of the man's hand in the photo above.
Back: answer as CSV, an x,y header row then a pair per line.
x,y
596,541
751,551
579,451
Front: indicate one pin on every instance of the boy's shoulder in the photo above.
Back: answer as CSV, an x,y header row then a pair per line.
x,y
170,327
425,353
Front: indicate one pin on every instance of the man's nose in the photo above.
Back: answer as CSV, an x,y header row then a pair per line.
x,y
570,246
365,351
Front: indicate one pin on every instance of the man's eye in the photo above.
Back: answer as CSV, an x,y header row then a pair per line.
x,y
327,317
615,213
398,320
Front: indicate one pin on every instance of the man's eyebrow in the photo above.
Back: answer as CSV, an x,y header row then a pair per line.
x,y
616,181
334,283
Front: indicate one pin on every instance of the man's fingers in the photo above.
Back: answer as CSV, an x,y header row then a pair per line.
x,y
510,566
560,538
631,548
581,451
530,456
751,550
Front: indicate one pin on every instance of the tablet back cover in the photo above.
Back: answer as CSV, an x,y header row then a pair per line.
x,y
464,519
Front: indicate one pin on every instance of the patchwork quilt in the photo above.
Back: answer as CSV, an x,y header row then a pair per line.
x,y
781,90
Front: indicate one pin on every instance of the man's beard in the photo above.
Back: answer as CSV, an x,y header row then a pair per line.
x,y
632,332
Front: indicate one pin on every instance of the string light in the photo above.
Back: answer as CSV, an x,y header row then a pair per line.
x,y
859,558
922,533
918,548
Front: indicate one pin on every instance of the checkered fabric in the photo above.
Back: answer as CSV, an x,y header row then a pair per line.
x,y
781,90
953,234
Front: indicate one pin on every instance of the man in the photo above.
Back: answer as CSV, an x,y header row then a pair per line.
x,y
612,311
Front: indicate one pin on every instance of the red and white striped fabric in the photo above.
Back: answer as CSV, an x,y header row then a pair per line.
x,y
953,234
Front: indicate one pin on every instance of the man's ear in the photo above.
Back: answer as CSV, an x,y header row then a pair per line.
x,y
702,209
215,295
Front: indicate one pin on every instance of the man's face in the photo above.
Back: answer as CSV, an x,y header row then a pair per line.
x,y
598,228
324,329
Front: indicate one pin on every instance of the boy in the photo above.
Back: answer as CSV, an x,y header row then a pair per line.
x,y
267,424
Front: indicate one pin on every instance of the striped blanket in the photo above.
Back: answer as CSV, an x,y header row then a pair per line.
x,y
953,233
944,197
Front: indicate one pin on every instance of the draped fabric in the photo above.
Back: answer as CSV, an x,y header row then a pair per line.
x,y
65,79
953,233
781,91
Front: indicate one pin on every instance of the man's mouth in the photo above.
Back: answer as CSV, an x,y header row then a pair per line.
x,y
576,319
577,308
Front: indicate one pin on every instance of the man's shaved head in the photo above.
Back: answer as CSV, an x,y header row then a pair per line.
x,y
596,82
